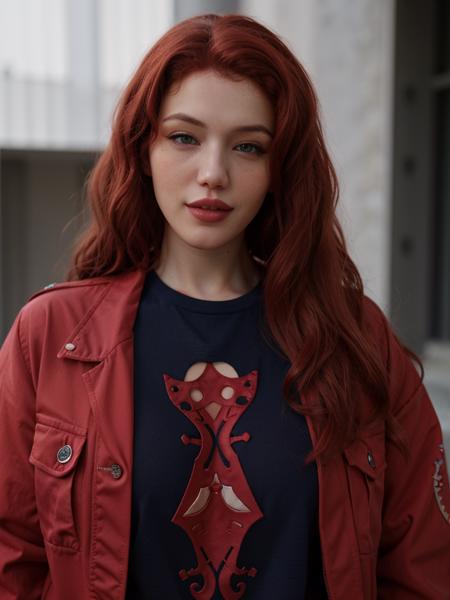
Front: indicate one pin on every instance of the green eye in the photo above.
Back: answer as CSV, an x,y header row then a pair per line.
x,y
180,138
254,149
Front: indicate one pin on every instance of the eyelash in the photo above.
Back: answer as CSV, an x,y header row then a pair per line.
x,y
258,149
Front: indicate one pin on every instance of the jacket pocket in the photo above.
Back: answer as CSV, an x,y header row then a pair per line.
x,y
55,454
365,468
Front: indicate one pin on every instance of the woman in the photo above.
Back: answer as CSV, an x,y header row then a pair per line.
x,y
209,407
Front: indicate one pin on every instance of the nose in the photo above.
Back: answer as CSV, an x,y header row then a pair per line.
x,y
212,168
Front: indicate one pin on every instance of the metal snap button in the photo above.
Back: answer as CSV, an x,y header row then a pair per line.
x,y
116,471
70,346
371,460
64,454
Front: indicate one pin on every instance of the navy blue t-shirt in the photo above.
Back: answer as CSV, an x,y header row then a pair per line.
x,y
223,504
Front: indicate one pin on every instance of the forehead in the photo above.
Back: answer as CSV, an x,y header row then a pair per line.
x,y
215,98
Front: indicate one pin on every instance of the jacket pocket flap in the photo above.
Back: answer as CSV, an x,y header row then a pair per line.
x,y
367,455
56,451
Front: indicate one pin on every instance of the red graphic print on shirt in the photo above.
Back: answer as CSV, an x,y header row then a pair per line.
x,y
218,507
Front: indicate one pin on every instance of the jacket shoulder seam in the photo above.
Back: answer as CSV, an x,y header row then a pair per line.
x,y
68,286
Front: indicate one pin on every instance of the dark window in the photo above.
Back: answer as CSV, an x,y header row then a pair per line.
x,y
440,321
442,56
420,273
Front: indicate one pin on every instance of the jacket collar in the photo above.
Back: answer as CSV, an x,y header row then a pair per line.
x,y
109,315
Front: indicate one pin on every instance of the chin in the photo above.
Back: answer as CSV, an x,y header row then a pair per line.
x,y
212,243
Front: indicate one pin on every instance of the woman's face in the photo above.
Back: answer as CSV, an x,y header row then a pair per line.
x,y
213,142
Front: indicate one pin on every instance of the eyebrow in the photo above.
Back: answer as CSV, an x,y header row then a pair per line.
x,y
189,119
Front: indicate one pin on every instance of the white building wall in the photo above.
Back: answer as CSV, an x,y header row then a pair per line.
x,y
347,47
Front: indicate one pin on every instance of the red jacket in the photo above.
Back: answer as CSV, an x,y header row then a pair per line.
x,y
66,392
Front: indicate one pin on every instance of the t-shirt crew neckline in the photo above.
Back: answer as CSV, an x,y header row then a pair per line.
x,y
171,296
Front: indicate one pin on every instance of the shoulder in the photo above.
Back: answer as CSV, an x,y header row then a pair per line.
x,y
72,291
376,325
73,296
382,333
62,306
68,289
56,309
403,368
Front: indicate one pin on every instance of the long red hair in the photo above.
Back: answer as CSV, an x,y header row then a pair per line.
x,y
312,290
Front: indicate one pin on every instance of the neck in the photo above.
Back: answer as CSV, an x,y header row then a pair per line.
x,y
209,274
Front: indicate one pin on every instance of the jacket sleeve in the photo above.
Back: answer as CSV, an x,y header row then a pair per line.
x,y
414,554
23,562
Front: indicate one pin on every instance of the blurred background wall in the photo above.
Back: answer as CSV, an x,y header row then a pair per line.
x,y
382,73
